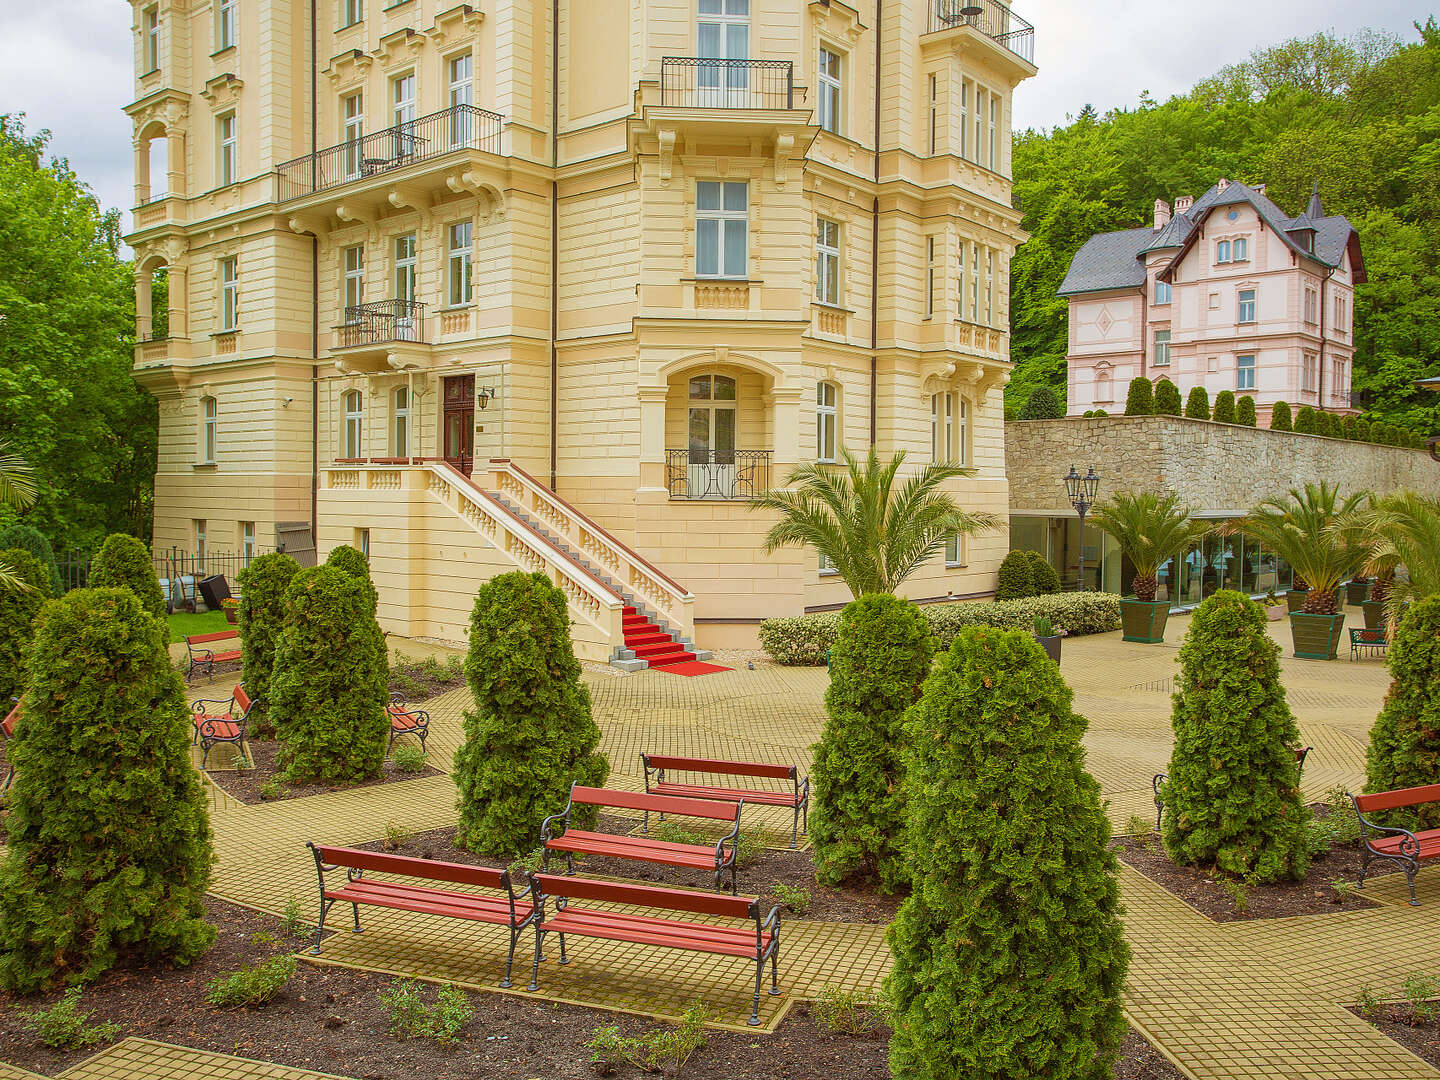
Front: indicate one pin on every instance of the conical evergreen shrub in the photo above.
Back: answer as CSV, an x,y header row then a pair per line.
x,y
33,540
1233,796
123,562
1167,398
328,690
262,618
1405,741
1009,958
1305,420
351,561
882,653
531,734
1245,411
1280,417
1363,432
1042,575
1197,405
1016,577
109,842
1140,400
18,608
1042,404
1224,407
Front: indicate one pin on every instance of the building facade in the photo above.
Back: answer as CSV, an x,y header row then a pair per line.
x,y
1225,292
560,286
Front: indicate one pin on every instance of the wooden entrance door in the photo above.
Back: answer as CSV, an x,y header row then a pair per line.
x,y
458,423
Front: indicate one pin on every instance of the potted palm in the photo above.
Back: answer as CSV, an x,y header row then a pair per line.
x,y
1048,638
1303,528
1295,598
1396,530
1151,530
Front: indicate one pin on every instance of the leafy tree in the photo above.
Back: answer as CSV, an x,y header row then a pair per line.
x,y
18,607
1305,530
109,854
1167,398
328,689
1151,531
1016,577
32,540
530,735
1405,741
261,612
881,656
1280,417
1245,411
1042,404
1395,530
1042,574
124,562
1305,422
1140,400
1197,405
1009,958
875,530
1233,799
1224,407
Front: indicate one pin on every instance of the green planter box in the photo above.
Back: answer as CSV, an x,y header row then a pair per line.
x,y
1144,620
1317,637
1357,592
1295,599
1374,613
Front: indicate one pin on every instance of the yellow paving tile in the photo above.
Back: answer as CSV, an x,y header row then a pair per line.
x,y
144,1059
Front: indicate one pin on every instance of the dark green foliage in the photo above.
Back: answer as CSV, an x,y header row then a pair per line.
x,y
1305,422
32,540
881,656
1016,578
327,691
1280,419
18,608
1348,428
1233,797
1224,407
1010,413
349,560
1042,404
1042,574
1327,424
1009,953
1140,401
1363,431
1245,411
109,841
530,735
1197,405
262,617
1405,741
123,562
1167,398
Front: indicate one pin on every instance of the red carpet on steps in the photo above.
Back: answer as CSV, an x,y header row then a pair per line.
x,y
652,644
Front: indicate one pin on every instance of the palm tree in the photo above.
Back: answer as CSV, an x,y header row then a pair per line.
x,y
1151,530
17,489
873,528
1397,530
1303,530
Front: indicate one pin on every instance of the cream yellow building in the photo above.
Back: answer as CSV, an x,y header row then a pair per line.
x,y
559,284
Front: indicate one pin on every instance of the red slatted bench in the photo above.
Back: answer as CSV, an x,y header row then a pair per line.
x,y
506,910
641,848
227,726
1407,848
406,721
1160,778
758,941
797,799
7,732
202,655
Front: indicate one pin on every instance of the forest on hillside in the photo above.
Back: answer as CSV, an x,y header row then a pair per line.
x,y
1358,115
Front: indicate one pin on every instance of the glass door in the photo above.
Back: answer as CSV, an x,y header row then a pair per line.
x,y
724,36
712,424
458,423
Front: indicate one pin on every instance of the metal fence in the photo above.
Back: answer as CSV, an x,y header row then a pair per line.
x,y
702,83
993,19
178,571
717,474
382,321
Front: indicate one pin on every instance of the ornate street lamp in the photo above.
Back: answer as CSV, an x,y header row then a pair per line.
x,y
1082,491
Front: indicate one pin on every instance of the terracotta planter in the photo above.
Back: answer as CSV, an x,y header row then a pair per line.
x,y
232,615
1051,645
1357,592
1317,637
1144,620
1295,599
1275,612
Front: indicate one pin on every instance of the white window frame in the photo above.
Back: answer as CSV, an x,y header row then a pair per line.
x,y
1309,371
829,73
406,260
1163,292
827,261
209,429
362,542
352,122
1311,306
353,265
1222,251
227,28
460,78
352,430
965,85
247,542
962,430
825,565
728,21
990,312
404,93
955,550
934,112
201,545
1240,250
1162,349
827,415
932,272
721,219
459,263
351,12
942,428
960,280
1245,373
227,142
151,39
994,131
400,425
974,283
228,272
1242,304
980,94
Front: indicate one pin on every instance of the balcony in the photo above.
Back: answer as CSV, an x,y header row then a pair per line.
x,y
460,127
693,82
993,19
717,474
382,323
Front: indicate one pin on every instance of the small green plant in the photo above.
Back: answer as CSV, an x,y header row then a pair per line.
x,y
1044,627
63,1026
412,1017
795,898
529,863
1344,889
847,1012
1366,1003
747,845
660,1050
609,1050
1420,991
251,985
396,836
1335,825
292,921
1238,893
264,937
272,789
242,763
408,759
1139,827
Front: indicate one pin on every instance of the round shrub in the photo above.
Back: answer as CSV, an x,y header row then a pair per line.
x,y
349,560
1245,411
1042,575
1305,422
18,608
33,540
1016,578
1140,401
530,735
1233,796
1405,741
1224,407
1042,404
262,618
1197,405
1280,417
109,842
882,653
123,562
1009,957
1100,412
328,689
1167,398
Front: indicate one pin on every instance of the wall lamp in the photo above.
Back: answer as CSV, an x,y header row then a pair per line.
x,y
483,396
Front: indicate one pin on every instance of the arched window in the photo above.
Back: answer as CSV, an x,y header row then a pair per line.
x,y
209,428
401,425
354,423
1103,387
826,437
962,433
1240,251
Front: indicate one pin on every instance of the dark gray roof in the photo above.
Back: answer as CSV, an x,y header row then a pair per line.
x,y
1108,261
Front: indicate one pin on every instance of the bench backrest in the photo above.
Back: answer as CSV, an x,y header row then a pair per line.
x,y
432,869
714,765
701,903
1389,800
11,719
205,639
242,699
661,804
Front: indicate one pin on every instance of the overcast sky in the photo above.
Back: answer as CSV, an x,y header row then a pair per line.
x,y
67,63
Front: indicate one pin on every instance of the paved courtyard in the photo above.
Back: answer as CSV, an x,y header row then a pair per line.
x,y
1255,999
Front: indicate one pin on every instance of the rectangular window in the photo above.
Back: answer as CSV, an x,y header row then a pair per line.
x,y
989,286
354,277
1309,372
1340,316
995,132
1222,251
930,275
209,429
830,99
1311,307
403,140
974,283
226,28
942,428
200,545
352,120
1245,373
826,566
965,118
1247,305
1162,348
955,551
405,267
225,132
152,39
229,294
461,70
1240,250
980,110
1162,291
352,13
827,261
247,542
960,281
825,417
722,229
401,427
962,431
362,542
458,264
934,112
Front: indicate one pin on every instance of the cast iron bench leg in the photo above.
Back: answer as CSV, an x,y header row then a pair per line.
x,y
535,971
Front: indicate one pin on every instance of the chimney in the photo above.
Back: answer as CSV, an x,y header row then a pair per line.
x,y
1259,189
1184,203
1162,214
1221,184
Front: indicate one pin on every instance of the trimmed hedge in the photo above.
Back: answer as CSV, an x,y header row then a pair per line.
x,y
1016,578
804,640
1280,419
1042,404
1245,411
1224,407
18,608
109,841
1197,405
1009,954
262,619
33,540
1167,399
882,653
1140,400
1042,574
124,562
1305,423
1405,741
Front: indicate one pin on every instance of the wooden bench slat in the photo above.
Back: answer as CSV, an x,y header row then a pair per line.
x,y
680,928
438,902
617,892
205,639
717,765
1427,843
698,791
614,931
1391,800
430,869
659,804
700,859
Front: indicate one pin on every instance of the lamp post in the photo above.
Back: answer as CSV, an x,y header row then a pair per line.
x,y
1082,490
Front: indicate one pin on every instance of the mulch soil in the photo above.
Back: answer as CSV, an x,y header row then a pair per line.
x,y
331,1020
1396,1021
246,785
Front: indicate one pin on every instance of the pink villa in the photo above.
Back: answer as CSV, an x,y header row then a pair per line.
x,y
1228,293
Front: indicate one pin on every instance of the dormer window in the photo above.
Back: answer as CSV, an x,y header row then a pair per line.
x,y
1222,251
1162,291
1240,250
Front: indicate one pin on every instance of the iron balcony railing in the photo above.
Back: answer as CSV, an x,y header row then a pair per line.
x,y
699,82
717,474
460,127
381,322
991,18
